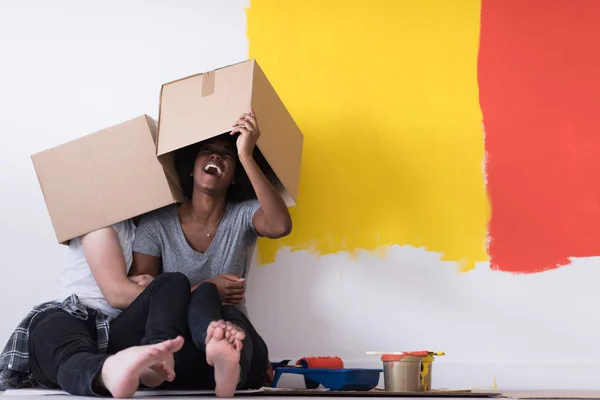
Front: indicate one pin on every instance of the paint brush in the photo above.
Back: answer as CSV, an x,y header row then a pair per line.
x,y
378,353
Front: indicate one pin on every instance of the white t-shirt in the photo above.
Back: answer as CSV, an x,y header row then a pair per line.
x,y
77,278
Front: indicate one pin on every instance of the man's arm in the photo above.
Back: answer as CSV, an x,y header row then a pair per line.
x,y
104,256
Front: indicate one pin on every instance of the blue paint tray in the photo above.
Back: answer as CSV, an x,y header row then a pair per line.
x,y
347,379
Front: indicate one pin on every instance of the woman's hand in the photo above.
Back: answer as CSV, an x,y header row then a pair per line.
x,y
247,126
142,280
231,288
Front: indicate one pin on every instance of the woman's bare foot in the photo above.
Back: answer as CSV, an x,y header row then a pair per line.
x,y
223,347
121,372
232,332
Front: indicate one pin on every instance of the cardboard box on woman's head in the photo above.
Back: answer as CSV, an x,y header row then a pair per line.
x,y
104,178
203,106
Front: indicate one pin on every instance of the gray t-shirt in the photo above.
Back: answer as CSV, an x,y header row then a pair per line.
x,y
159,234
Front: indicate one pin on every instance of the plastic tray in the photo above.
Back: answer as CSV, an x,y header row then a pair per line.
x,y
358,379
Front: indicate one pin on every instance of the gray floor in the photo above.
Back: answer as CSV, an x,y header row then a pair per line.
x,y
511,394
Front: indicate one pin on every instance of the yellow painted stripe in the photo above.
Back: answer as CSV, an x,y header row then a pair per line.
x,y
386,95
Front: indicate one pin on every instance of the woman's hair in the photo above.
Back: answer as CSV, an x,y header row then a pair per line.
x,y
185,158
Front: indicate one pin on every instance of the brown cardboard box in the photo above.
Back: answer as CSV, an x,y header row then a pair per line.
x,y
202,106
103,178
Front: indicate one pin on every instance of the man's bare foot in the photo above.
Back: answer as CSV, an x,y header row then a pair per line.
x,y
223,347
121,373
159,373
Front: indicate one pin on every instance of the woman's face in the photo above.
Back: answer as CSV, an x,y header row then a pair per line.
x,y
215,164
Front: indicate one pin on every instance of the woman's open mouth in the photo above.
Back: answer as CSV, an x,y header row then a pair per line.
x,y
213,169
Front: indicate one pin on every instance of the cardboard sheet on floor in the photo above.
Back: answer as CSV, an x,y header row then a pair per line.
x,y
373,393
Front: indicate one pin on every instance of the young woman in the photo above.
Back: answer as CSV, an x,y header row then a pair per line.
x,y
63,343
210,239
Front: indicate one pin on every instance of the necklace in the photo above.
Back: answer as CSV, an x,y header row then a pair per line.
x,y
208,233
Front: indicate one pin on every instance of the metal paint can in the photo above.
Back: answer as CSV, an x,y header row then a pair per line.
x,y
401,372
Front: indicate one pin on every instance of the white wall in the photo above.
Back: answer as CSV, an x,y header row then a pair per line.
x,y
71,67
525,331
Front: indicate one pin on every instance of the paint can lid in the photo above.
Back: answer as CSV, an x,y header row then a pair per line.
x,y
407,355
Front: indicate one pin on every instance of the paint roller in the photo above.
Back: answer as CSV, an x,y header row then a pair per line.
x,y
321,362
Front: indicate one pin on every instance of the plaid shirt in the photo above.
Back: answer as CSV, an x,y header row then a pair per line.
x,y
14,360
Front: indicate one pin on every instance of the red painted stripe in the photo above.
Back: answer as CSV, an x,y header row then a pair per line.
x,y
539,80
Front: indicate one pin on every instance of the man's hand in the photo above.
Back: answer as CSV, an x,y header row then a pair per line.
x,y
231,288
142,280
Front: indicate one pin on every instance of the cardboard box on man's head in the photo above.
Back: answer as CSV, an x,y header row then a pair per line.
x,y
203,106
104,178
